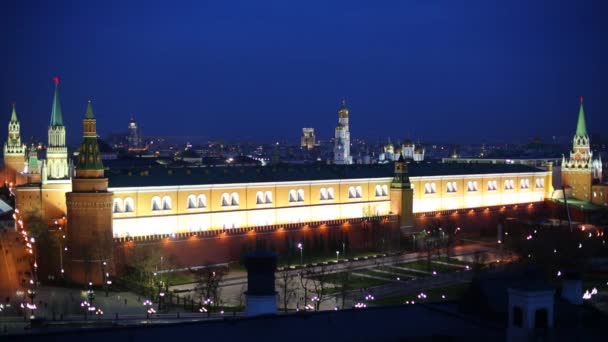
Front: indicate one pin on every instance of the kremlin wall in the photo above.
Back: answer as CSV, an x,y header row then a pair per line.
x,y
211,215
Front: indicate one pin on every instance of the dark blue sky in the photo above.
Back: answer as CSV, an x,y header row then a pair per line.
x,y
431,70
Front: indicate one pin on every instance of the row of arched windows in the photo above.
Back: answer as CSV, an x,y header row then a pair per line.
x,y
355,192
381,190
197,202
123,206
296,195
230,200
326,194
263,197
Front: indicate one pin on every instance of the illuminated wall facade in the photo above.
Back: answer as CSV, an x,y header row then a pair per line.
x,y
174,209
473,191
144,211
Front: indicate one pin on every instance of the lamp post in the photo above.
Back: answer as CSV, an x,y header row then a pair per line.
x,y
300,247
337,256
344,249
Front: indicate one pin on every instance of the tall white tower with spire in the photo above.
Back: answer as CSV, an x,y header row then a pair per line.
x,y
342,138
14,151
57,151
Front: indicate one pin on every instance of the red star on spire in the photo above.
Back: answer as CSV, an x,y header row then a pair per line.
x,y
56,80
582,98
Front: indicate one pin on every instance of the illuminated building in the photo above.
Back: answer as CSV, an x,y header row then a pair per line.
x,y
150,202
308,139
134,137
342,138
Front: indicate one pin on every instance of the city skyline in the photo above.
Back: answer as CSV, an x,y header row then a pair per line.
x,y
214,71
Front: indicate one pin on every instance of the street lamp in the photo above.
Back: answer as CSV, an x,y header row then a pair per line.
x,y
343,249
337,256
300,247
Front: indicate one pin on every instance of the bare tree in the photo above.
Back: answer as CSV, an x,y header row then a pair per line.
x,y
208,285
286,283
344,284
319,283
304,283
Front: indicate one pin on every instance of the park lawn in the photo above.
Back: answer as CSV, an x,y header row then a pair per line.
x,y
394,273
354,282
451,292
179,278
421,265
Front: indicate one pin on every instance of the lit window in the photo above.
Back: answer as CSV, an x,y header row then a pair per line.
x,y
430,188
156,204
259,198
359,191
300,195
492,185
509,184
234,199
202,201
351,192
293,196
472,186
166,203
268,197
378,191
225,200
323,194
524,183
129,205
330,193
191,202
540,183
117,207
451,187
385,190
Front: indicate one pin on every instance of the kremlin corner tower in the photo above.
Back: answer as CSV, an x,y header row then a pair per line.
x,y
89,211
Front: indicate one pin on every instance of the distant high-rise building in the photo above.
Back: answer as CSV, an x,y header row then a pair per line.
x,y
342,138
308,138
134,137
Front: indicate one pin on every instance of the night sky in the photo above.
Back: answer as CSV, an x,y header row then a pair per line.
x,y
434,70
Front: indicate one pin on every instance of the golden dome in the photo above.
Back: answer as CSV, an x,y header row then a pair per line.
x,y
343,111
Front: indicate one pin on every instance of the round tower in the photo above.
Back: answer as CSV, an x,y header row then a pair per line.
x,y
89,209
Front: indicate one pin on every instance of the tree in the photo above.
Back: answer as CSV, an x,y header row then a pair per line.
x,y
208,285
344,284
304,283
286,283
319,280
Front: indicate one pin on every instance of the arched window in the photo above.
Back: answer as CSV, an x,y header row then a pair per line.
x,y
451,187
129,205
430,188
540,183
156,204
191,202
351,192
509,184
234,199
293,196
268,197
117,207
524,184
378,191
259,198
492,185
330,193
300,195
359,191
385,190
166,203
472,186
323,194
225,200
201,201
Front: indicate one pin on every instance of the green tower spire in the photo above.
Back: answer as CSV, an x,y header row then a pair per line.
x,y
89,157
56,117
89,112
581,127
14,114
